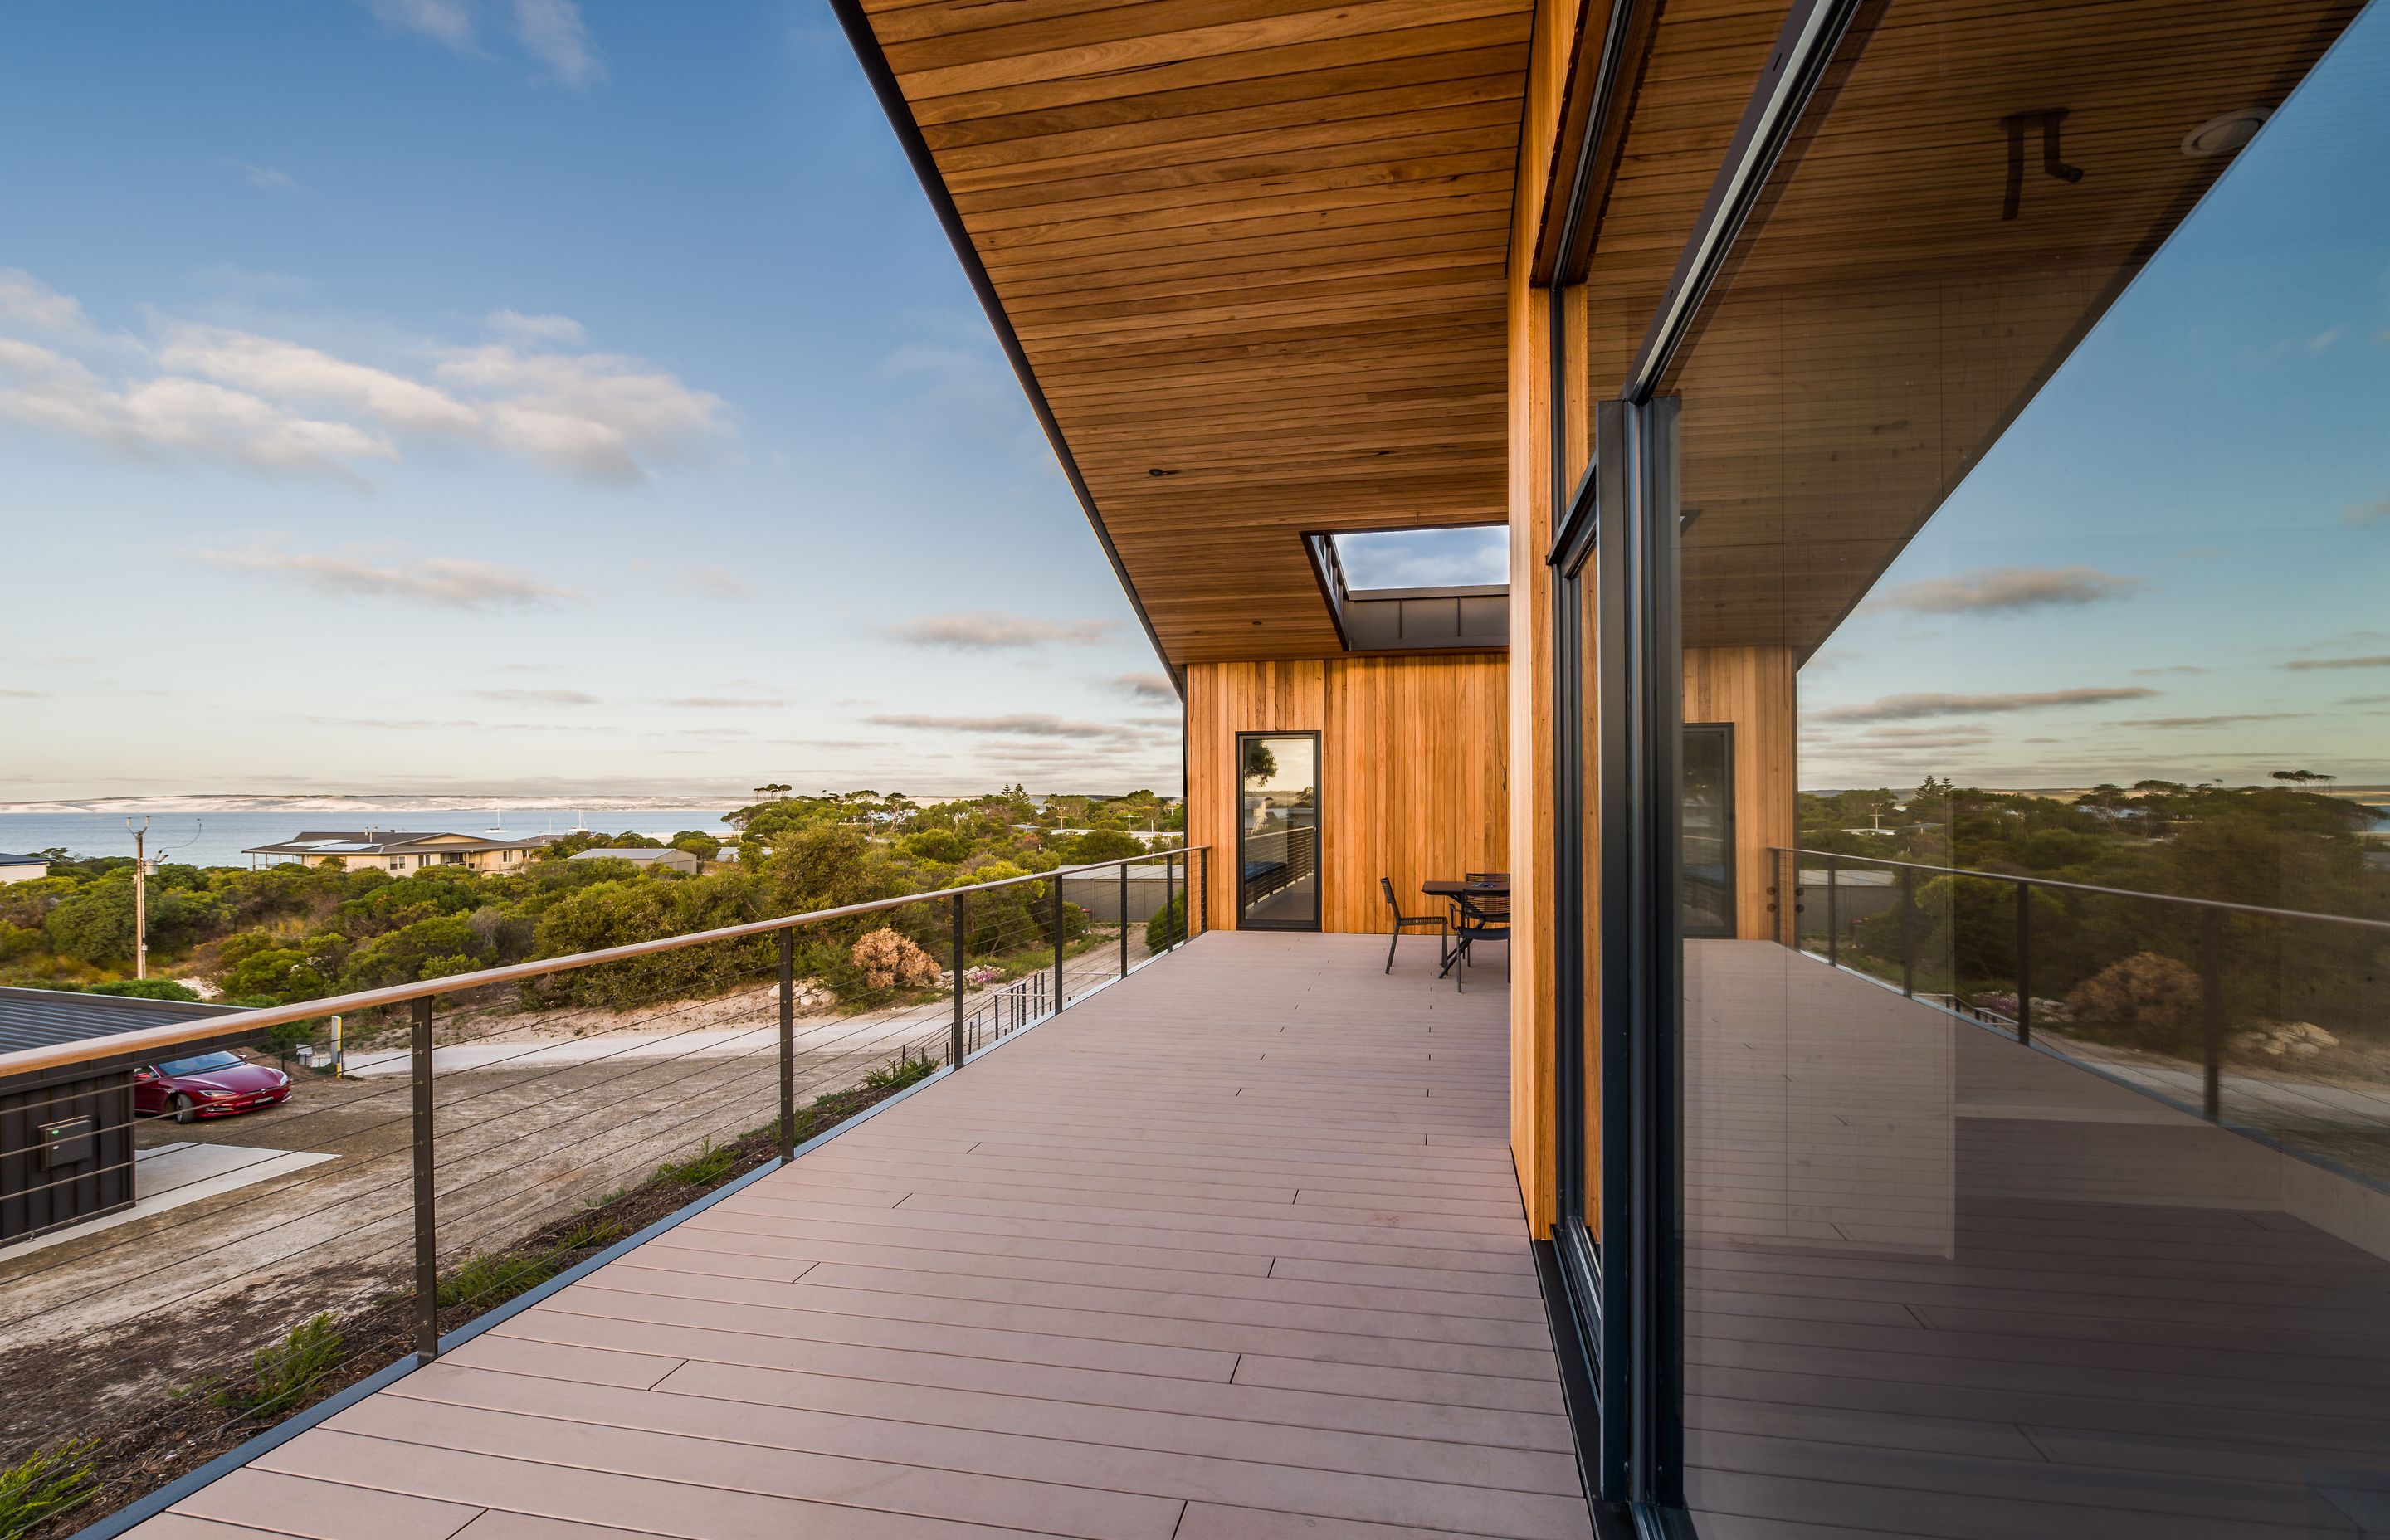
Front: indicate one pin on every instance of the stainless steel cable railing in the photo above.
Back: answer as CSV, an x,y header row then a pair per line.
x,y
490,1133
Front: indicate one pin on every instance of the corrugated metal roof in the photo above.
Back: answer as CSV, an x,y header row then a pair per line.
x,y
8,860
41,1018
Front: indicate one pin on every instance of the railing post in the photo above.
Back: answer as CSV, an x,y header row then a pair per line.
x,y
1207,885
788,1045
1833,910
1908,930
1169,896
1058,946
2024,962
1123,918
427,1235
956,1048
2212,1012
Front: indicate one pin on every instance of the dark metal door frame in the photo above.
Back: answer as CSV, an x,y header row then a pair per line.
x,y
1318,833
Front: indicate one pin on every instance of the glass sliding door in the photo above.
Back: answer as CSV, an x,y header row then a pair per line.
x,y
1278,832
2036,421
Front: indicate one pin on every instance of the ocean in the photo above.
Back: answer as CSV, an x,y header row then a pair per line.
x,y
217,838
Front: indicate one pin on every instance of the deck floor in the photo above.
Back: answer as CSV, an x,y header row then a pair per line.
x,y
1231,1250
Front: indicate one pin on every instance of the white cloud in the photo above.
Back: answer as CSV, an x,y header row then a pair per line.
x,y
276,403
596,416
2005,590
25,300
714,583
539,698
1013,724
1903,708
561,330
2379,660
291,372
1146,686
553,32
987,631
446,583
447,22
174,413
725,703
270,177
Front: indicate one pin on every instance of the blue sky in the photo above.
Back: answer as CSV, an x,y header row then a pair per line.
x,y
2197,507
505,396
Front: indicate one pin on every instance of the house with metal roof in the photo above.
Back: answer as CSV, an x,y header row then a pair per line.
x,y
24,868
401,850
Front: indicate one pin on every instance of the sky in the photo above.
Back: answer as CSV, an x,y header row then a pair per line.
x,y
516,397
2177,562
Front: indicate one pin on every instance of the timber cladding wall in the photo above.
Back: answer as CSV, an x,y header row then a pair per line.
x,y
1414,765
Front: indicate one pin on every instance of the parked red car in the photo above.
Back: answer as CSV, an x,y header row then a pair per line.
x,y
212,1086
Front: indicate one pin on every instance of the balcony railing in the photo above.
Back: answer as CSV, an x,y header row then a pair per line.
x,y
2269,1021
485,1139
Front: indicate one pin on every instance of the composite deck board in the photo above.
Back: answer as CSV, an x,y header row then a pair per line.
x,y
1230,1248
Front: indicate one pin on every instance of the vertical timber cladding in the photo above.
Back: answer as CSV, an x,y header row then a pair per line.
x,y
1751,686
1414,765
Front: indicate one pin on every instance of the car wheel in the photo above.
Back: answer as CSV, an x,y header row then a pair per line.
x,y
184,1108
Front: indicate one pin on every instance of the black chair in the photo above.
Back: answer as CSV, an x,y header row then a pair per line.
x,y
1443,926
1477,923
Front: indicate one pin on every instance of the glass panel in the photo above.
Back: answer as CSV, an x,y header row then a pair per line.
x,y
1709,829
1278,839
1588,656
2040,426
1477,556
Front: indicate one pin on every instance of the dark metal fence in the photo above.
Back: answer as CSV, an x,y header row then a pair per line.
x,y
2274,1021
477,1137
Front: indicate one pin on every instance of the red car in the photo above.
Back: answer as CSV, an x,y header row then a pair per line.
x,y
212,1086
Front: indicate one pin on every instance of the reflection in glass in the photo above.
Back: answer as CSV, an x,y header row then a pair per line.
x,y
1278,832
2010,1184
1709,829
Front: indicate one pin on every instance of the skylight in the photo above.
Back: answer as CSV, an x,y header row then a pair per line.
x,y
1412,560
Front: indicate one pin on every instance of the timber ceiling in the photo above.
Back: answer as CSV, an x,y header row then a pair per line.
x,y
1256,246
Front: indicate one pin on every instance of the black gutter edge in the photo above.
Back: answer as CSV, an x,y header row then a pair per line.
x,y
865,43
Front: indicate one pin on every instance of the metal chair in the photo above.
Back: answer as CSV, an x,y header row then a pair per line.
x,y
1476,924
1443,926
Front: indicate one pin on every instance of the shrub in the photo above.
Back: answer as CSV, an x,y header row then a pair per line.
x,y
2147,989
1167,925
701,1170
146,988
889,959
45,1485
280,1373
898,1073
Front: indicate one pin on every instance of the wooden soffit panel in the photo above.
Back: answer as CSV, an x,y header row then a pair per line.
x,y
1908,288
1253,254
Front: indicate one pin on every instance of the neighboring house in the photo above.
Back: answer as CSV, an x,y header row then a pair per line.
x,y
677,860
401,850
24,868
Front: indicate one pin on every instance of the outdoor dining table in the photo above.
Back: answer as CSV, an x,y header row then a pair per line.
x,y
1445,888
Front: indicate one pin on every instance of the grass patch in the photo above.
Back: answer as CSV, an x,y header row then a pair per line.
x,y
703,1169
281,1373
896,1074
45,1485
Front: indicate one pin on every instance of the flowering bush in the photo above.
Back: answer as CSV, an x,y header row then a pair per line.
x,y
887,958
981,976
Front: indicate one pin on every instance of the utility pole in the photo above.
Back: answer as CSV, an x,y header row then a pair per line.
x,y
140,899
